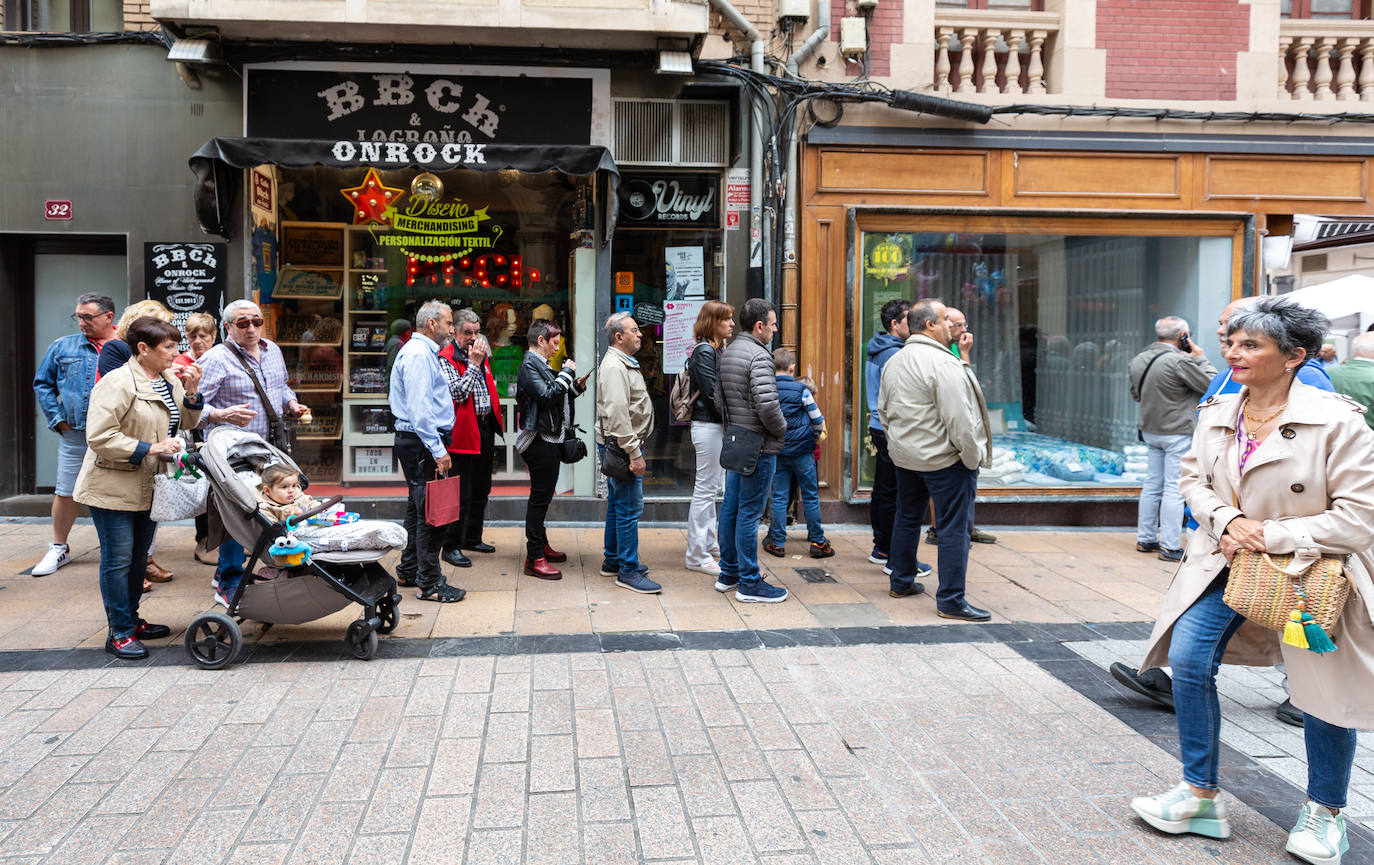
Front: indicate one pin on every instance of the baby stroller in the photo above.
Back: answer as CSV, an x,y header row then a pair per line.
x,y
326,583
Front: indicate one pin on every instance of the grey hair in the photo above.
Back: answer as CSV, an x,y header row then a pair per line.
x,y
232,308
1170,327
432,310
922,313
1363,346
616,324
1289,325
102,301
465,316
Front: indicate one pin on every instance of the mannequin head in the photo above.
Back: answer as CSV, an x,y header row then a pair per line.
x,y
501,323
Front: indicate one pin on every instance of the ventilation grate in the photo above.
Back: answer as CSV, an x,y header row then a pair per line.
x,y
643,131
814,575
679,133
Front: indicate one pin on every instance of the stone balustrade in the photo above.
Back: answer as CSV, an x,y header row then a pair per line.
x,y
1326,60
979,51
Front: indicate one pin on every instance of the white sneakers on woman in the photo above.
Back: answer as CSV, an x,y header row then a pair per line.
x,y
1318,836
1178,811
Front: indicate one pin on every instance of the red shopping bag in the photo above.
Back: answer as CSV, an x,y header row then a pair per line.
x,y
441,501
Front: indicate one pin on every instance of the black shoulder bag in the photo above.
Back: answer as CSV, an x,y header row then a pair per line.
x,y
740,447
1140,436
279,434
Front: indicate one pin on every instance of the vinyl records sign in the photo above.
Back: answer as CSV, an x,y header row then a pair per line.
x,y
186,278
670,200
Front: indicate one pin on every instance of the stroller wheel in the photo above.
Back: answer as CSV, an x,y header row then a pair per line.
x,y
361,639
386,611
213,640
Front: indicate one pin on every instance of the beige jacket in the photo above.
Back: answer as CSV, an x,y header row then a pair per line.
x,y
932,408
1312,484
623,409
125,418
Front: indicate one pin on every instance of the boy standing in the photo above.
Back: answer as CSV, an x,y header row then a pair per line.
x,y
804,423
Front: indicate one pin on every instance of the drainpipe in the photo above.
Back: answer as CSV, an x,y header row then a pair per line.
x,y
791,276
756,278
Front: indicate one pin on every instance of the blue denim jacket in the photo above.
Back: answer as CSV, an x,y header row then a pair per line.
x,y
64,380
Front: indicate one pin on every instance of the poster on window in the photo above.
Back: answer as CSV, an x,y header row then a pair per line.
x,y
686,272
679,316
186,278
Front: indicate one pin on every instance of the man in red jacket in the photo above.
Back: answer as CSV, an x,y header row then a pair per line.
x,y
477,422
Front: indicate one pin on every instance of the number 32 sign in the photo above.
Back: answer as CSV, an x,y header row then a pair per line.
x,y
57,209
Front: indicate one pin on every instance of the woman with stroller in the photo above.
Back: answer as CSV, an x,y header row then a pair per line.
x,y
135,414
1280,468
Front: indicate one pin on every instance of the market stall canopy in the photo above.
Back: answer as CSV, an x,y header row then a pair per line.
x,y
219,164
1349,295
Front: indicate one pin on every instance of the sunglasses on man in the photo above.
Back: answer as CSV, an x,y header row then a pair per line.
x,y
87,319
245,323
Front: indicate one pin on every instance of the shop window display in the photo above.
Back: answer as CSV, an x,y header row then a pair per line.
x,y
355,265
1056,320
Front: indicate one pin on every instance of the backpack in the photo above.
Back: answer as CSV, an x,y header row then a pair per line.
x,y
683,396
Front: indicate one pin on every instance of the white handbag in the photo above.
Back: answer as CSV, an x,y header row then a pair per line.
x,y
181,495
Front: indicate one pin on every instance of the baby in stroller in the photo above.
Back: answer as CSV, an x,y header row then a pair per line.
x,y
280,497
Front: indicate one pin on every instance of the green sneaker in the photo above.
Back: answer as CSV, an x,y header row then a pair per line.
x,y
1178,811
1318,836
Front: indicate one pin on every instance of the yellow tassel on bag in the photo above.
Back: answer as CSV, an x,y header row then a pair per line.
x,y
1293,633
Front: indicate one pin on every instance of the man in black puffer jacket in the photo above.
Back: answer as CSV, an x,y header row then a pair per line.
x,y
748,388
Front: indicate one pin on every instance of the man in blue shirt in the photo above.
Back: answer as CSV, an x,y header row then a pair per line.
x,y
62,387
423,410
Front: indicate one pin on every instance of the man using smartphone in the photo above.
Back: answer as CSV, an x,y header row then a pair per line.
x,y
1167,378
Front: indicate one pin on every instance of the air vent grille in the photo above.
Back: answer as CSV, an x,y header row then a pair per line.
x,y
686,133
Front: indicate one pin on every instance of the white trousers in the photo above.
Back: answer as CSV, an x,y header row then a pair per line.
x,y
703,519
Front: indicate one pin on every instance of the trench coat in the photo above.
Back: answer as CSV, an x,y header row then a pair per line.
x,y
1311,483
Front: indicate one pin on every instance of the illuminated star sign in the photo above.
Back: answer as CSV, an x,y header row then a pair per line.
x,y
370,199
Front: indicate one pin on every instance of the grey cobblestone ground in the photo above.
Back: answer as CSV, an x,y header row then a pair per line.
x,y
796,756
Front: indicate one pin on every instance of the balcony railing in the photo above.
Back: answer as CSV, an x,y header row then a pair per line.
x,y
993,51
1326,60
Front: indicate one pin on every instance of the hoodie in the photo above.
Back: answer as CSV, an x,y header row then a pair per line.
x,y
881,348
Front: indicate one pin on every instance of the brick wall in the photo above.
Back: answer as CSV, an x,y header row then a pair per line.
x,y
884,28
137,16
1172,49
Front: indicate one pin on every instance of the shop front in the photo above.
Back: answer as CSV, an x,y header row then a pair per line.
x,y
1061,262
370,191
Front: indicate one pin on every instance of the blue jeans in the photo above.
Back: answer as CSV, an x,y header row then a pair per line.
x,y
624,507
1199,639
1160,515
745,499
230,568
952,488
124,540
804,469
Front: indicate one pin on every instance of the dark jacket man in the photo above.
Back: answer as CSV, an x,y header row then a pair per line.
x,y
748,386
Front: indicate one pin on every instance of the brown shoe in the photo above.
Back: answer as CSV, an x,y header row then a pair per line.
x,y
205,556
542,569
156,573
553,555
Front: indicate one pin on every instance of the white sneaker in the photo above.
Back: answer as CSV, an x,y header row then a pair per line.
x,y
56,556
221,599
1318,836
710,569
1178,811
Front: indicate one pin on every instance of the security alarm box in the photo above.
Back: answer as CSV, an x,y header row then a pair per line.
x,y
853,37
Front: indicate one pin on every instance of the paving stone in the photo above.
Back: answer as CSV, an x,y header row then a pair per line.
x,y
454,770
722,840
604,794
319,747
251,776
210,837
551,673
684,731
34,788
800,783
591,689
495,846
441,832
328,833
500,796
596,733
474,675
115,759
777,833
716,705
661,823
646,757
144,781
739,756
378,719
551,830
93,839
46,828
511,692
552,712
284,809
610,844
259,854
354,774
379,850
430,694
702,785
466,715
669,687
507,738
626,670
395,800
553,764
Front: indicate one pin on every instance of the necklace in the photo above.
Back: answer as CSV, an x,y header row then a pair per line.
x,y
1253,432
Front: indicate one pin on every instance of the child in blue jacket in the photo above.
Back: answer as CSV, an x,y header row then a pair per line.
x,y
797,460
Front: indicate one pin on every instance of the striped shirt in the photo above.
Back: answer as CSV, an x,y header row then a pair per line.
x,y
225,383
164,390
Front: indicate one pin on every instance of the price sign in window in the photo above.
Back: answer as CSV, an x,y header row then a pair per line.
x,y
372,461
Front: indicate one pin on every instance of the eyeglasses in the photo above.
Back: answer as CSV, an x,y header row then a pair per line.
x,y
245,323
87,319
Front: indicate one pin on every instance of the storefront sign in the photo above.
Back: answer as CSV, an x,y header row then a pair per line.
x,y
404,107
680,316
372,461
262,198
886,260
732,220
57,210
186,278
685,275
438,230
737,188
670,200
321,247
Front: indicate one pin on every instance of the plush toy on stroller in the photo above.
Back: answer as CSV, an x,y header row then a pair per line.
x,y
322,561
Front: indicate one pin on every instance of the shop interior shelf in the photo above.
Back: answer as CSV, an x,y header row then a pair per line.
x,y
362,351
367,270
318,389
312,343
368,312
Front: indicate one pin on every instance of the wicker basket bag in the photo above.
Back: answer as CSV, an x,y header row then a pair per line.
x,y
1304,607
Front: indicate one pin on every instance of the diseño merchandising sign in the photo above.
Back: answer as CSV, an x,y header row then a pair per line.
x,y
670,200
412,108
438,230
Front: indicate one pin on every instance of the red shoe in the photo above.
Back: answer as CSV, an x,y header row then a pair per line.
x,y
540,568
554,555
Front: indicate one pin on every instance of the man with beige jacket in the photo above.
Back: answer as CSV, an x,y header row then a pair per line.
x,y
624,414
937,432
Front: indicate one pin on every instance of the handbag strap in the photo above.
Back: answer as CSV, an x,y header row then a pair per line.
x,y
1146,374
273,417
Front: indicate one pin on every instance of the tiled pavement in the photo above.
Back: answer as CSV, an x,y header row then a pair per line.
x,y
872,741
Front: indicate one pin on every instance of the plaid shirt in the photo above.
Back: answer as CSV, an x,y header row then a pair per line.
x,y
225,383
472,383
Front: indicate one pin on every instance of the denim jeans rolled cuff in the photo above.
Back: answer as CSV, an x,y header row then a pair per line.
x,y
624,507
745,501
124,540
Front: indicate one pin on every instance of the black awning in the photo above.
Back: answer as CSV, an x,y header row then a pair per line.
x,y
219,162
